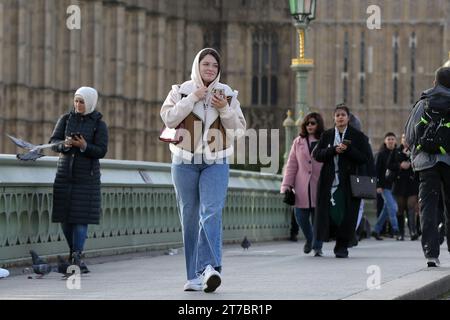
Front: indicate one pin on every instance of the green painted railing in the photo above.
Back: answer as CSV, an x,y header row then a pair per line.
x,y
139,210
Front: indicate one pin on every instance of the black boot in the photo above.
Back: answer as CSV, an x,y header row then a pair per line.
x,y
70,260
80,263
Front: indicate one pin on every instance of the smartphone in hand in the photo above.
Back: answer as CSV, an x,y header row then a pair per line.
x,y
347,142
75,135
220,93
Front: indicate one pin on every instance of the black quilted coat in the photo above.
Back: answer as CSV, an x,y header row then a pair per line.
x,y
76,191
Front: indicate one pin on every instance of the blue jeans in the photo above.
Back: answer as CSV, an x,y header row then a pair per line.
x,y
75,235
303,220
201,190
389,208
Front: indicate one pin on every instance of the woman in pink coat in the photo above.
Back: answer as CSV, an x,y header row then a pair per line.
x,y
302,174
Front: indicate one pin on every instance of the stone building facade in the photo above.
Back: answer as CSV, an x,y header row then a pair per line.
x,y
379,73
132,51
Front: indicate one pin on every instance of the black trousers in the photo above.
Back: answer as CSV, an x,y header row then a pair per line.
x,y
433,181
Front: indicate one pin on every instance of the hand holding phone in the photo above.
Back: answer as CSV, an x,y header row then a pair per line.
x,y
75,135
347,142
220,93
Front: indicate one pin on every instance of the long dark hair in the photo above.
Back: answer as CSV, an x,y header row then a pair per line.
x,y
320,126
212,52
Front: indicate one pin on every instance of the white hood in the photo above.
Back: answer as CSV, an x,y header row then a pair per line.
x,y
196,77
90,97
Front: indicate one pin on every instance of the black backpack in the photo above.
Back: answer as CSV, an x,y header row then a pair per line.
x,y
433,129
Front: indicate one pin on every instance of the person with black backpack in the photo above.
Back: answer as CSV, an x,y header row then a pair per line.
x,y
428,137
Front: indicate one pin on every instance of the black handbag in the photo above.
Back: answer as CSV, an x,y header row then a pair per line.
x,y
363,187
289,197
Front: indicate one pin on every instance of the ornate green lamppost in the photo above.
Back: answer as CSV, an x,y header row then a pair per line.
x,y
303,12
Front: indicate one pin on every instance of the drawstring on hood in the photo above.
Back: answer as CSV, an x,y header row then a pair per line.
x,y
197,78
90,97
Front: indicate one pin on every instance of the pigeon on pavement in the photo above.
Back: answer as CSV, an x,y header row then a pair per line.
x,y
245,243
40,267
36,259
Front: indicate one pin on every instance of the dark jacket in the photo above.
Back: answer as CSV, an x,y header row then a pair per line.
x,y
406,182
357,155
385,161
76,190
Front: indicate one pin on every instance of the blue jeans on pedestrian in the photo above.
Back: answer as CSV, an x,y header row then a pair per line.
x,y
201,190
389,208
75,235
303,217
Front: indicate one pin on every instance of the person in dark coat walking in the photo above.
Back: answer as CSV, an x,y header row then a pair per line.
x,y
342,150
76,190
386,168
405,189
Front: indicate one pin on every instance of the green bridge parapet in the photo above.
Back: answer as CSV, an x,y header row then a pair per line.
x,y
139,209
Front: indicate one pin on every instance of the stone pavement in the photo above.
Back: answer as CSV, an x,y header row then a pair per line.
x,y
267,271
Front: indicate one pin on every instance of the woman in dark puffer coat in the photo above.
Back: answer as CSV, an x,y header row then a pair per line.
x,y
76,190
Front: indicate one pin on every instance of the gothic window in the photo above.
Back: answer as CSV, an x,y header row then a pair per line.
x,y
395,46
346,52
265,68
412,45
345,72
362,69
211,38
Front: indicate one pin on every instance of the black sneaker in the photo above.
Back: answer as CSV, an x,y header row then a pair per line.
x,y
414,237
433,262
376,235
307,247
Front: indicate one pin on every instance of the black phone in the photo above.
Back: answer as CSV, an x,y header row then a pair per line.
x,y
347,142
75,135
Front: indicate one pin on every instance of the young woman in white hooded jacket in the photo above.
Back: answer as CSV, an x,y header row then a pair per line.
x,y
211,118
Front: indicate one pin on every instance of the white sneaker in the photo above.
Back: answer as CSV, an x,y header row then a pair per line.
x,y
433,262
211,279
194,285
3,273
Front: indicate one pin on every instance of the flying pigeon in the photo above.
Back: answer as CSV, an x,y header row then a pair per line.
x,y
40,267
245,243
34,150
